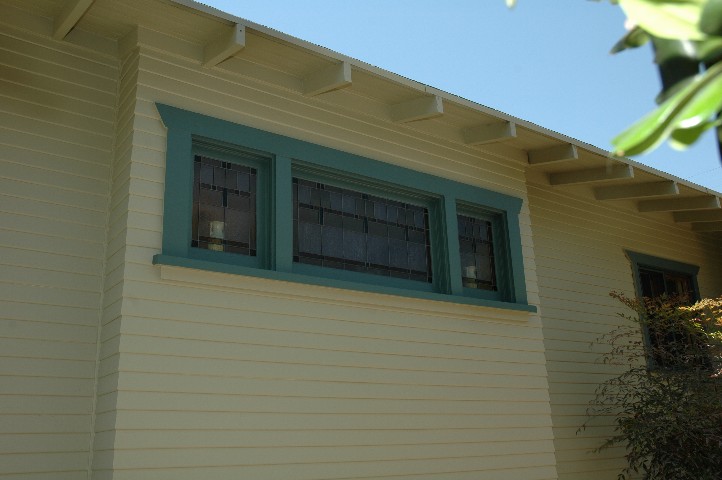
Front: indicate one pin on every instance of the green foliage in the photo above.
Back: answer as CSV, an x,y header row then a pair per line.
x,y
686,35
666,402
683,117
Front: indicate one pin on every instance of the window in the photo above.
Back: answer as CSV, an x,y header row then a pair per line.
x,y
224,206
241,200
657,277
351,230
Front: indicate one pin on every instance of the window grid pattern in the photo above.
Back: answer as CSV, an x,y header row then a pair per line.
x,y
476,249
224,206
351,230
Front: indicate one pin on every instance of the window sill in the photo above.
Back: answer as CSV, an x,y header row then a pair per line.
x,y
174,261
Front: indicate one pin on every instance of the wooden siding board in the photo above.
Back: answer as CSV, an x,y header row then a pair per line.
x,y
149,438
57,116
59,106
47,226
38,198
56,131
52,162
50,210
46,74
42,367
168,363
41,330
22,311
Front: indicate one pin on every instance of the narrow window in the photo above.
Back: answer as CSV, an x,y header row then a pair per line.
x,y
224,206
668,344
476,250
352,230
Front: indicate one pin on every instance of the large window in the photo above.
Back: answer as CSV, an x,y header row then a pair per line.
x,y
352,230
246,201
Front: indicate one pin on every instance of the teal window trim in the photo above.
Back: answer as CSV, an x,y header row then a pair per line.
x,y
189,131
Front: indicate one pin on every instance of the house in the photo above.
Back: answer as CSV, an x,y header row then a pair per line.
x,y
229,253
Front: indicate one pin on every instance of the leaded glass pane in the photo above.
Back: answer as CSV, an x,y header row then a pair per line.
x,y
351,230
224,206
476,250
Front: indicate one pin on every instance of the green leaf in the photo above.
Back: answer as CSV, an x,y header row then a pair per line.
x,y
649,132
666,18
679,111
682,138
709,50
705,103
711,19
634,38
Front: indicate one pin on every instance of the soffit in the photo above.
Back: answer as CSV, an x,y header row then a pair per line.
x,y
551,158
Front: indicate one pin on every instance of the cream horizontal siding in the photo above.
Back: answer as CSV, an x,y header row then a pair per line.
x,y
56,135
580,258
115,267
227,376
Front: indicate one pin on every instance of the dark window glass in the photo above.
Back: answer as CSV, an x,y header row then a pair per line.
x,y
224,206
351,230
659,282
476,249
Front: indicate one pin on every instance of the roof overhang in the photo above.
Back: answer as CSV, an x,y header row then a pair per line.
x,y
218,40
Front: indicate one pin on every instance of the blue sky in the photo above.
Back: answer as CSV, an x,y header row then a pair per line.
x,y
545,62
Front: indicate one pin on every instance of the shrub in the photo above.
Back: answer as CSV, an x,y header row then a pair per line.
x,y
666,404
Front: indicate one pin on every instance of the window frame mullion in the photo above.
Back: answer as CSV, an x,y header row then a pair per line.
x,y
282,212
449,248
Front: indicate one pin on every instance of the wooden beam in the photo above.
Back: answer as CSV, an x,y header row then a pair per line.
x,y
493,132
613,172
652,189
421,108
327,79
707,227
224,46
71,14
698,216
557,153
672,204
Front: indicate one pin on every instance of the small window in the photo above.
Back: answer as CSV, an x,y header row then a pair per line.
x,y
476,251
224,206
